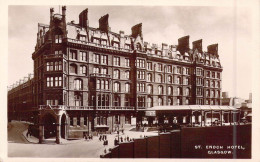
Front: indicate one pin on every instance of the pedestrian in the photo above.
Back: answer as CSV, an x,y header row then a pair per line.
x,y
127,138
121,139
100,137
104,143
105,151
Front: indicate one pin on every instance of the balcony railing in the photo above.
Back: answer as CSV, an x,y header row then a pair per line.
x,y
80,108
60,107
114,108
51,107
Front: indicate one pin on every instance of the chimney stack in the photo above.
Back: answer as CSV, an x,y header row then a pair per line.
x,y
183,44
83,18
63,10
137,30
51,13
197,45
213,49
103,23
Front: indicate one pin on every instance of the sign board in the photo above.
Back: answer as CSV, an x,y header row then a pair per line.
x,y
150,113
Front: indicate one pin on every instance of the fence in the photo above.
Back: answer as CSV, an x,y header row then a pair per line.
x,y
197,142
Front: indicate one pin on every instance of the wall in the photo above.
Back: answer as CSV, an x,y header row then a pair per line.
x,y
181,144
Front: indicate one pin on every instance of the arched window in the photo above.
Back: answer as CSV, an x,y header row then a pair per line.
x,y
170,90
127,74
138,47
170,101
207,93
73,68
78,99
160,90
160,101
150,89
78,84
98,84
179,80
179,91
169,79
116,74
127,87
83,70
187,102
116,87
117,101
106,85
179,101
102,86
187,91
149,102
149,77
160,78
186,81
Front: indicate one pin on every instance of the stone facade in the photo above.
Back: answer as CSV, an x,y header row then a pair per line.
x,y
104,80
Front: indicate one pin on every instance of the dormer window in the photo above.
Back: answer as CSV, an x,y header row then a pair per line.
x,y
95,41
82,38
115,44
138,47
127,46
103,42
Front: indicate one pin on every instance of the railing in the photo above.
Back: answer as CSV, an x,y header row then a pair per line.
x,y
114,108
80,108
86,107
52,107
56,56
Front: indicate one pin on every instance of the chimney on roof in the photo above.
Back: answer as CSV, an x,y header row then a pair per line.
x,y
51,13
213,49
183,44
83,18
197,45
137,30
103,23
63,12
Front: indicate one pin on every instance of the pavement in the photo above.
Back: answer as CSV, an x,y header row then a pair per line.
x,y
19,145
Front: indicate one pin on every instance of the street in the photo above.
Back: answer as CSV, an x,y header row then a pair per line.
x,y
18,146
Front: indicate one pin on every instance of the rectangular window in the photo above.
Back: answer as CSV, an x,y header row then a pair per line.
x,y
116,61
213,74
73,54
140,74
49,81
127,62
104,59
104,71
82,38
149,66
56,65
208,74
96,58
58,38
127,46
83,56
218,75
60,65
58,52
140,63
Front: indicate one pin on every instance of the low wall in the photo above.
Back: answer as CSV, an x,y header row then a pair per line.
x,y
227,142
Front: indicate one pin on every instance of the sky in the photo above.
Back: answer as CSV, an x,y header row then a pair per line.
x,y
230,27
